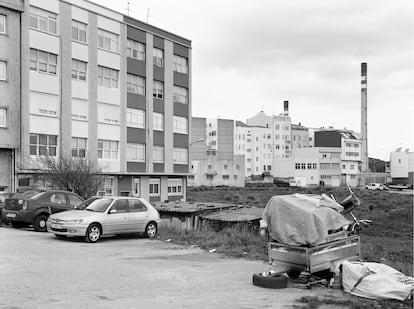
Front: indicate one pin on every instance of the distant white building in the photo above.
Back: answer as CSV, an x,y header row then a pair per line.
x,y
402,167
311,166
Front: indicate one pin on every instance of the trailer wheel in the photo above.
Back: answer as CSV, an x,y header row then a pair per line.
x,y
294,273
270,282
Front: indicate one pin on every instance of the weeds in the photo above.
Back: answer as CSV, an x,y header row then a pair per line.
x,y
351,302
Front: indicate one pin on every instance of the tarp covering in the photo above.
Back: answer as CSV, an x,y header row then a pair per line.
x,y
375,281
299,219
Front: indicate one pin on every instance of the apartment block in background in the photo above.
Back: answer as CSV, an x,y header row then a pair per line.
x,y
300,136
100,84
213,160
10,36
350,145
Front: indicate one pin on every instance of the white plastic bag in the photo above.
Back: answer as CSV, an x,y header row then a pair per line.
x,y
376,281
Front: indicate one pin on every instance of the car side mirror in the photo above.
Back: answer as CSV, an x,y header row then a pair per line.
x,y
112,211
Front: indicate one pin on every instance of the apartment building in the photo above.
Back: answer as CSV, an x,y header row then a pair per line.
x,y
300,136
350,145
100,84
213,159
10,12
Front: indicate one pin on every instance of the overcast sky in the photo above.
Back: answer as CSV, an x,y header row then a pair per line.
x,y
250,56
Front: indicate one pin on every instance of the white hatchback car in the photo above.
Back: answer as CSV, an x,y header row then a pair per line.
x,y
375,186
106,216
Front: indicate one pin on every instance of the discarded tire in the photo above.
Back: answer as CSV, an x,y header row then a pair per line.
x,y
270,282
294,273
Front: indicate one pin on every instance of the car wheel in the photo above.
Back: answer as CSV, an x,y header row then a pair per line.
x,y
39,223
150,230
93,233
270,282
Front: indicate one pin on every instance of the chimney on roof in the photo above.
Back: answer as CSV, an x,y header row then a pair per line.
x,y
285,108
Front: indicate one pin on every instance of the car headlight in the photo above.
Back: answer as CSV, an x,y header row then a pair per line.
x,y
76,221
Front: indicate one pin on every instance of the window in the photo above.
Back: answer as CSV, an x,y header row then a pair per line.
x,y
43,144
180,125
107,77
225,177
158,121
303,166
158,154
136,152
120,206
154,187
343,166
269,167
57,198
314,166
180,95
158,57
135,118
2,24
42,61
107,149
158,90
78,31
135,84
135,50
3,117
78,70
180,64
352,166
108,40
225,167
180,155
136,206
78,147
324,166
108,185
3,70
175,186
309,166
43,20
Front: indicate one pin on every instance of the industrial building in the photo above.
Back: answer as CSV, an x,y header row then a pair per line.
x,y
94,83
402,167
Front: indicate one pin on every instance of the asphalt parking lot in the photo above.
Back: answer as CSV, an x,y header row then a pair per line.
x,y
38,270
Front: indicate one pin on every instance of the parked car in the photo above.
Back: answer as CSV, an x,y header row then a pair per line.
x,y
107,216
3,197
35,206
375,186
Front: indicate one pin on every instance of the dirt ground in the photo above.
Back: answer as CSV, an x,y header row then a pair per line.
x,y
39,271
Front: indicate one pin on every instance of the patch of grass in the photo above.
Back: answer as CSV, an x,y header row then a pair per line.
x,y
231,241
351,302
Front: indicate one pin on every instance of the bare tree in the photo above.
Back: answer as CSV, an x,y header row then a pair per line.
x,y
79,175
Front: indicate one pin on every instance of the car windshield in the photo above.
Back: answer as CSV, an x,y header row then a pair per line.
x,y
99,205
86,203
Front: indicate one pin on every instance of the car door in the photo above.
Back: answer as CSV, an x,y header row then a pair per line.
x,y
138,215
117,218
56,202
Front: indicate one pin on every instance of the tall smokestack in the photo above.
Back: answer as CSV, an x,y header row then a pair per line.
x,y
285,108
364,125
